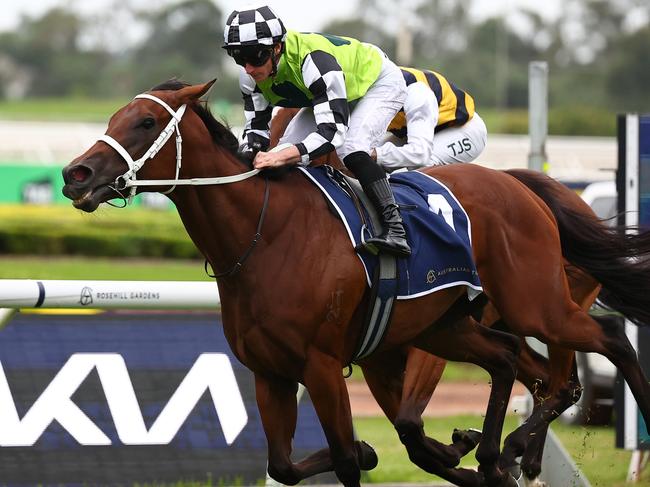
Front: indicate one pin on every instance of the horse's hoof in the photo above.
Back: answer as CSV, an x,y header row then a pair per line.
x,y
367,456
469,438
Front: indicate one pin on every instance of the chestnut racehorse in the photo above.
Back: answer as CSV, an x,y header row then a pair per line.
x,y
596,249
293,291
604,252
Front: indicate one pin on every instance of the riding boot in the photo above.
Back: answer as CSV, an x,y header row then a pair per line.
x,y
393,236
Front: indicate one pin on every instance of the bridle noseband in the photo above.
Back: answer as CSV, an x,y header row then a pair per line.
x,y
128,179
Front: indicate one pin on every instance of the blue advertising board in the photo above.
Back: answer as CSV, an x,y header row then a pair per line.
x,y
125,398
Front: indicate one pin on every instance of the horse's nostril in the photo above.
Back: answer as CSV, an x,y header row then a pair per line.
x,y
79,173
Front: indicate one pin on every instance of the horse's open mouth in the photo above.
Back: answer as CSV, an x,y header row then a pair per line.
x,y
91,198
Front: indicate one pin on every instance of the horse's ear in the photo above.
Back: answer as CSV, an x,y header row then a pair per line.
x,y
193,92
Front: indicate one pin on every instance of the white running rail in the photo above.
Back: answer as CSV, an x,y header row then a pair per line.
x,y
32,293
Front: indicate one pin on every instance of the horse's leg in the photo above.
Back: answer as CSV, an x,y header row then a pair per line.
x,y
276,401
278,409
422,375
533,372
385,374
584,290
496,352
568,326
553,383
402,382
610,340
329,395
565,394
588,335
552,395
415,387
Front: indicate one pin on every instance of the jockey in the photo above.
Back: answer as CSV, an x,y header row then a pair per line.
x,y
433,106
348,92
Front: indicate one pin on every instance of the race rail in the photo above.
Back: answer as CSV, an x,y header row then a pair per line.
x,y
32,293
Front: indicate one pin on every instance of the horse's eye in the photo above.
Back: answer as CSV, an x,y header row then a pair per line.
x,y
148,123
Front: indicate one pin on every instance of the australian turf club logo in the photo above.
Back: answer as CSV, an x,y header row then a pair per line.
x,y
431,276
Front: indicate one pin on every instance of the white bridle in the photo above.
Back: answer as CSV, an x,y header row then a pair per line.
x,y
128,179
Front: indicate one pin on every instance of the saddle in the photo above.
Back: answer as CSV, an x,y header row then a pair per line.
x,y
438,230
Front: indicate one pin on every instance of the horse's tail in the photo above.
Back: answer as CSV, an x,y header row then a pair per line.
x,y
618,260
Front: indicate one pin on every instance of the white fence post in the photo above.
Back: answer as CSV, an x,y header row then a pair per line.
x,y
538,114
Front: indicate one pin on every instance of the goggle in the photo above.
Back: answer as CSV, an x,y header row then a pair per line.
x,y
254,56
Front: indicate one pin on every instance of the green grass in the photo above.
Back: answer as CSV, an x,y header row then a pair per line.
x,y
60,109
592,449
79,109
101,269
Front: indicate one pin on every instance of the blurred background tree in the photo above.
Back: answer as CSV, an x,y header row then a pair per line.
x,y
184,41
597,52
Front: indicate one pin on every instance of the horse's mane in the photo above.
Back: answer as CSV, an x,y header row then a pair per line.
x,y
219,132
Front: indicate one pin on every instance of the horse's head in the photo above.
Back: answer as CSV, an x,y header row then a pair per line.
x,y
135,141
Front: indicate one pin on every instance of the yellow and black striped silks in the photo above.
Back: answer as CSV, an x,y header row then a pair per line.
x,y
455,106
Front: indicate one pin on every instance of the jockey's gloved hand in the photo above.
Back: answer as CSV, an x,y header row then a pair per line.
x,y
248,156
247,151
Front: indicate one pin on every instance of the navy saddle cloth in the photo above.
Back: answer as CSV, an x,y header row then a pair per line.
x,y
437,227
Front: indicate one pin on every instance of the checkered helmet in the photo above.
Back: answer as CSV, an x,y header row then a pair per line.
x,y
259,26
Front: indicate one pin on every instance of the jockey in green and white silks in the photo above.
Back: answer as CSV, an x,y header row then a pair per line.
x,y
323,73
325,76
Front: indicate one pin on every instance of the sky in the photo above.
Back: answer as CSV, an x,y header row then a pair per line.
x,y
304,15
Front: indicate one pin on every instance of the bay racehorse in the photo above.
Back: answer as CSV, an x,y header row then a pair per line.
x,y
293,292
596,255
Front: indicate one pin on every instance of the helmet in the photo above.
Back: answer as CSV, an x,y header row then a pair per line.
x,y
255,27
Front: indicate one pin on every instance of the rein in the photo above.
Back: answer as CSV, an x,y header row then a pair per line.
x,y
128,179
256,238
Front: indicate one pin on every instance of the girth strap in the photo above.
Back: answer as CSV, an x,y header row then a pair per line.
x,y
382,298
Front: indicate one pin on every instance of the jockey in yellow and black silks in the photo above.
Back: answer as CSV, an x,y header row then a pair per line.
x,y
437,125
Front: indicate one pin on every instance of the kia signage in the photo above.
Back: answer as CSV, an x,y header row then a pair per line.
x,y
212,372
110,398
